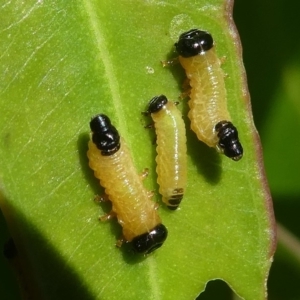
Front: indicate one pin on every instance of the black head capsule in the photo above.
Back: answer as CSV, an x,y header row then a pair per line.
x,y
194,42
150,241
105,136
156,104
229,143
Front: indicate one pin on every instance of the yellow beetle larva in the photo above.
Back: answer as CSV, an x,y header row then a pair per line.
x,y
111,161
171,150
210,119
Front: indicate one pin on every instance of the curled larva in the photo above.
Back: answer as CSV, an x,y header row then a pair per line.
x,y
171,150
210,119
111,161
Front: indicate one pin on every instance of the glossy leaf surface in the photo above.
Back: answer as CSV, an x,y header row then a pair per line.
x,y
62,63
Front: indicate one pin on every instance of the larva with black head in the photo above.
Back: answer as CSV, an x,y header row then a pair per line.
x,y
171,150
209,116
112,163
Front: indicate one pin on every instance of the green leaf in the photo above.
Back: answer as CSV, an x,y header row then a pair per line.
x,y
65,62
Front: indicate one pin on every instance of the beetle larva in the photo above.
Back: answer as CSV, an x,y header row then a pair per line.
x,y
111,161
171,150
210,119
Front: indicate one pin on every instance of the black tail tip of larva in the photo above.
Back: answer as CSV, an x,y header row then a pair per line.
x,y
229,143
100,123
175,200
172,207
104,135
150,241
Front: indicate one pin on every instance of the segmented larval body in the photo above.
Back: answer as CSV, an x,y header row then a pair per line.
x,y
131,201
171,154
208,104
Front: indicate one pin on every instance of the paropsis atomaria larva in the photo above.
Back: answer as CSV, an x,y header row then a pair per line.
x,y
111,161
209,116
